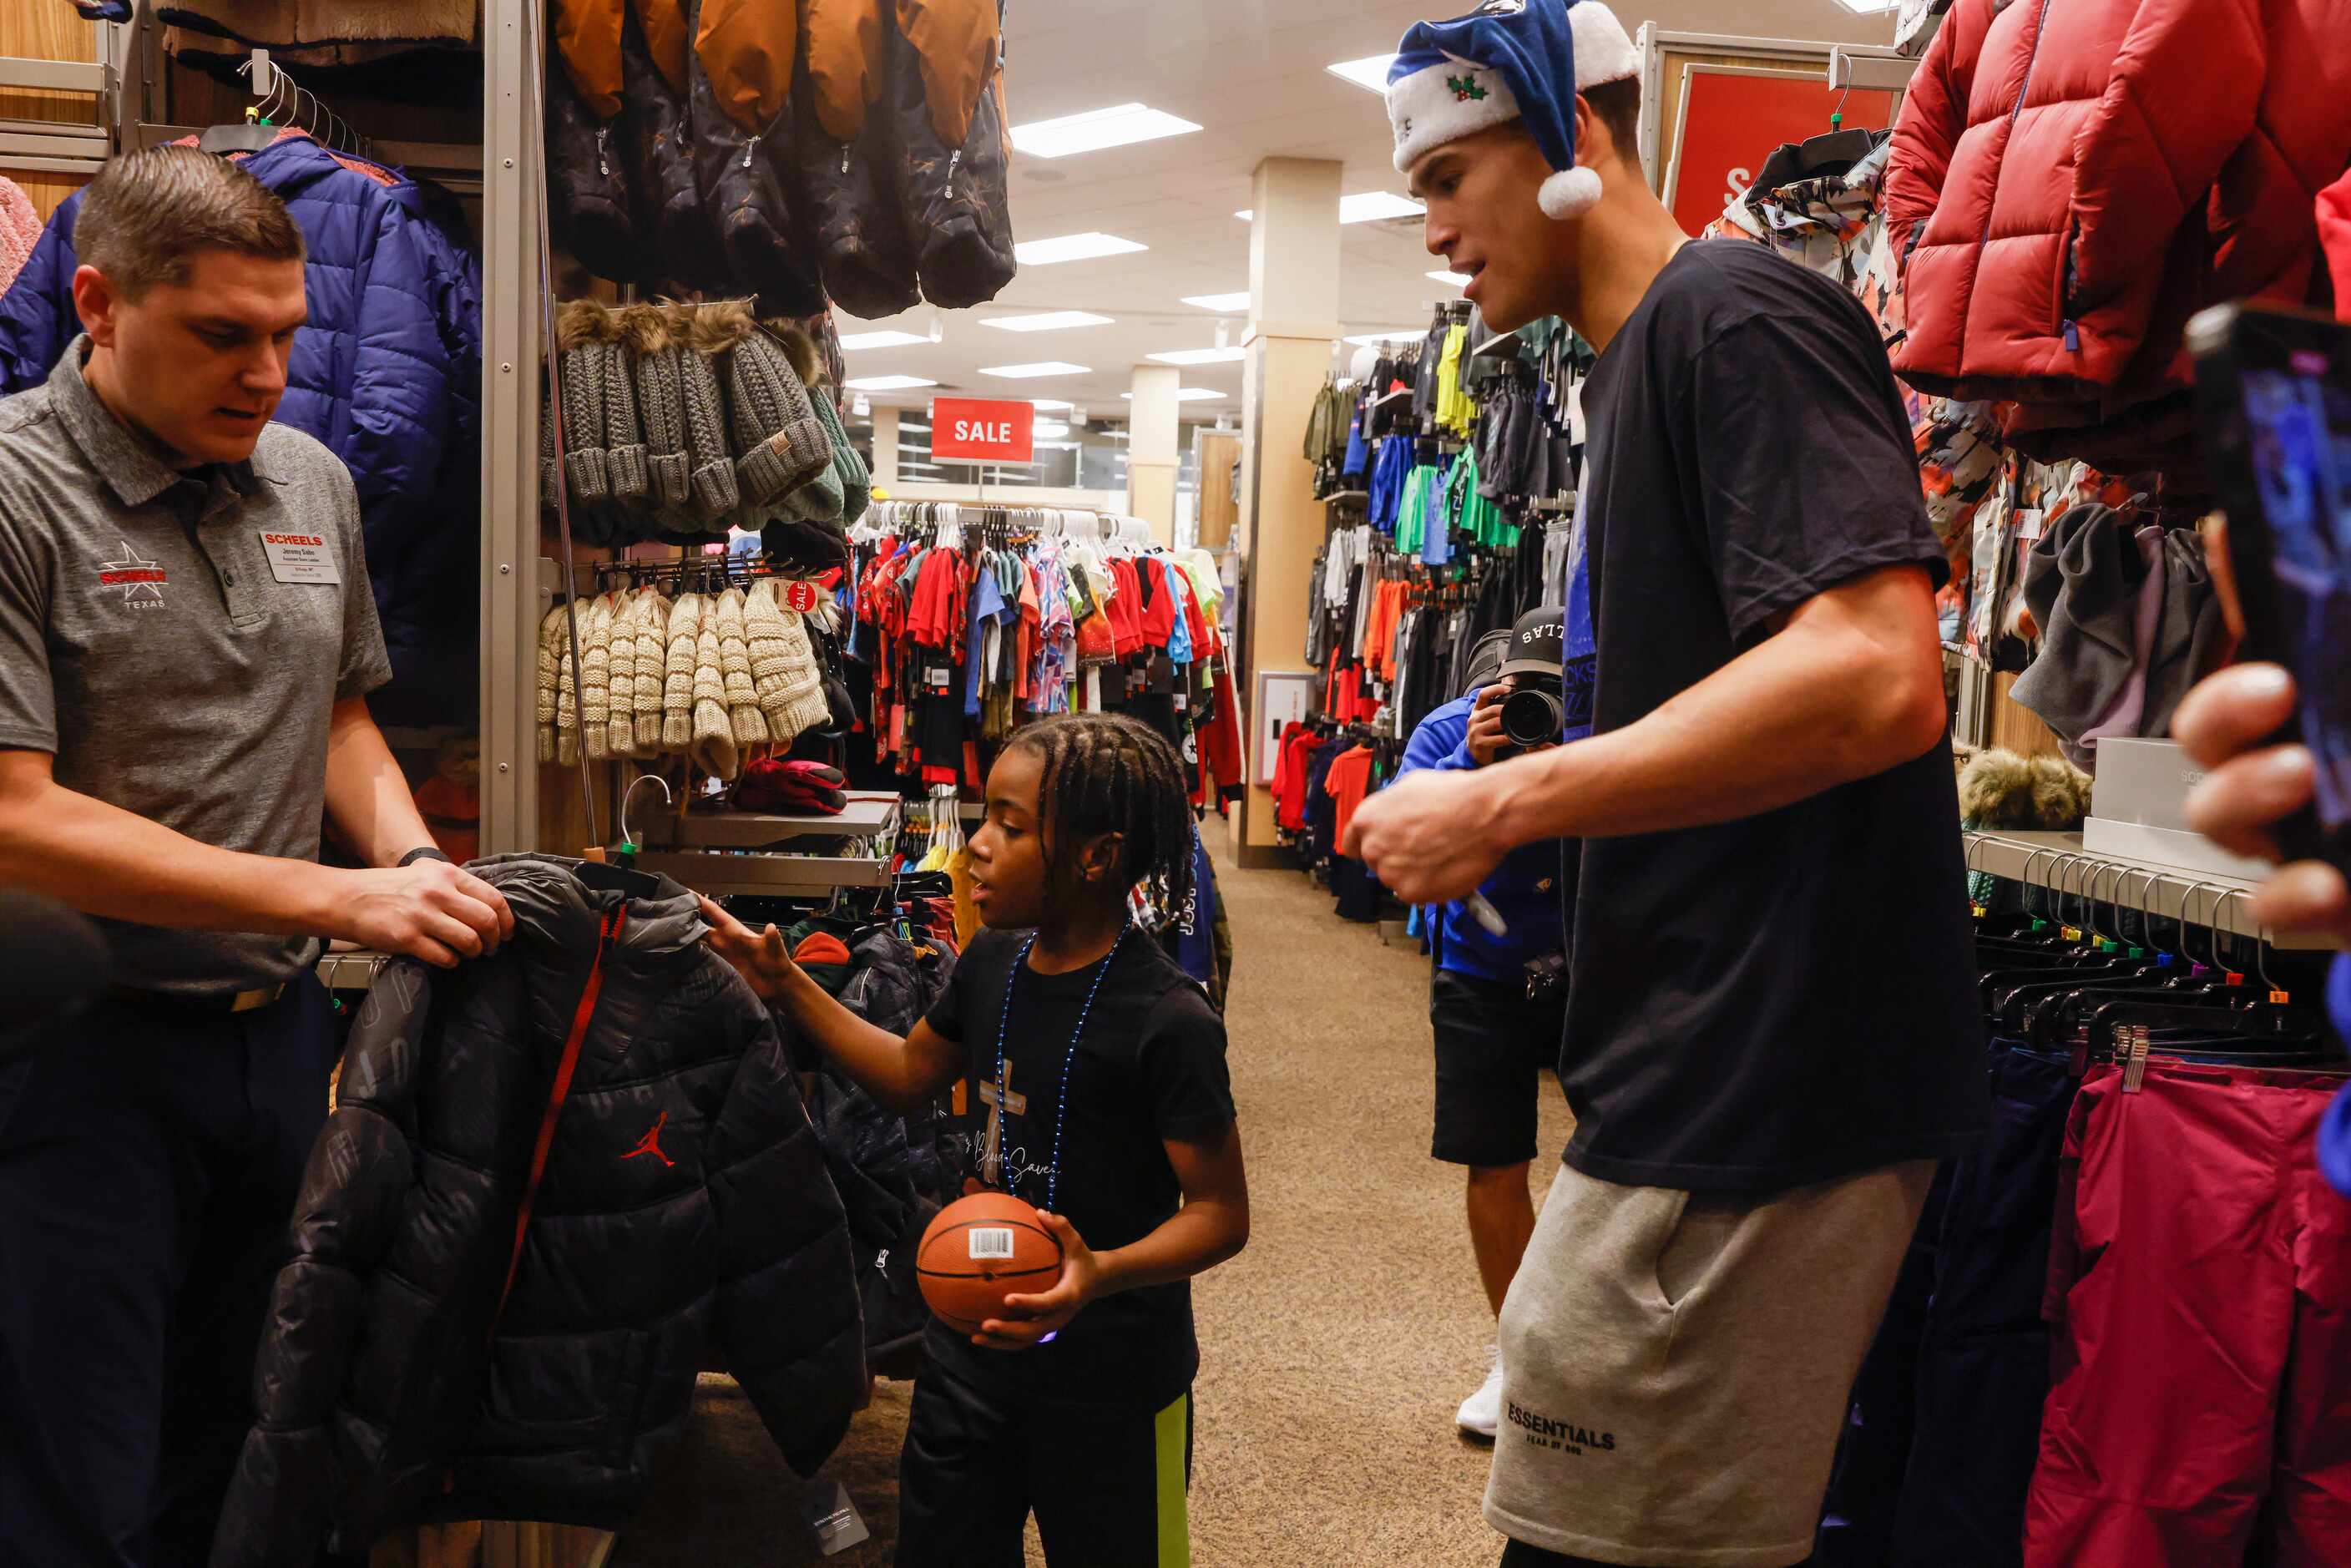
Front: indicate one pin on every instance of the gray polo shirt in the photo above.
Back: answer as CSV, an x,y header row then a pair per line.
x,y
177,641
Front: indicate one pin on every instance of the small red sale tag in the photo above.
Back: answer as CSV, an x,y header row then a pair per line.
x,y
801,596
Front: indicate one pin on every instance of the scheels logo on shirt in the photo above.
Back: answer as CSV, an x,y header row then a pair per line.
x,y
312,540
142,581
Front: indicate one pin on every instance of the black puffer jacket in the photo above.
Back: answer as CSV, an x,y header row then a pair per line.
x,y
847,156
739,96
946,101
418,1364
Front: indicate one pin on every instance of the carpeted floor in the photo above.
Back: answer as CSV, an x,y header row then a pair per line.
x,y
1333,1350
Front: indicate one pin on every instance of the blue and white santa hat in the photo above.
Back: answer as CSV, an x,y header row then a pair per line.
x,y
1510,59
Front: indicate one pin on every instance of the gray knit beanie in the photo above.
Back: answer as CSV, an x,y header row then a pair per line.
x,y
624,459
580,335
779,445
703,333
660,402
821,499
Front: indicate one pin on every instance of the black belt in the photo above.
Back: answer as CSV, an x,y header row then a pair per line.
x,y
225,1004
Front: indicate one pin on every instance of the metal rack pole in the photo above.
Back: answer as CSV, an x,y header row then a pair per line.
x,y
511,187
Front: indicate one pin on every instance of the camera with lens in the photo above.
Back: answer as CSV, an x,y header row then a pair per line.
x,y
1535,711
1533,714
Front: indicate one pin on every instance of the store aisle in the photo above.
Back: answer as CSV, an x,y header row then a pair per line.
x,y
1333,1350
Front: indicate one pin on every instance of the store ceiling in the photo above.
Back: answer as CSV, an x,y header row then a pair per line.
x,y
1250,73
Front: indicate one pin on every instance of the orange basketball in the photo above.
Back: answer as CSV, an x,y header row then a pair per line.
x,y
980,1249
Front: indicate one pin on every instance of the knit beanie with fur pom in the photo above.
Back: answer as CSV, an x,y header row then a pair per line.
x,y
624,457
579,334
661,405
706,333
779,445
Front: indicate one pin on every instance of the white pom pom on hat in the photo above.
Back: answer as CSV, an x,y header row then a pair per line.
x,y
1570,193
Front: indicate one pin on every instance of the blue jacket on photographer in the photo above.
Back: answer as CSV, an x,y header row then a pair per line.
x,y
1525,888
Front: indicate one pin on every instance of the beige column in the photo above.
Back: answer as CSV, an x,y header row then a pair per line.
x,y
885,445
1152,454
1293,316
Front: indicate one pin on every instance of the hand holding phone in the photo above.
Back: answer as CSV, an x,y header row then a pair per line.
x,y
2273,392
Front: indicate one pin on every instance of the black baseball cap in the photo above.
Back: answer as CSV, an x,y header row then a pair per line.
x,y
1537,644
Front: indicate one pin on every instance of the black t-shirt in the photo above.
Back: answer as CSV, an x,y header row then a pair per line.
x,y
1150,1067
1785,999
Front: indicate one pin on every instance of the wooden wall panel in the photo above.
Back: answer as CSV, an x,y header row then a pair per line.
x,y
46,189
47,30
2017,727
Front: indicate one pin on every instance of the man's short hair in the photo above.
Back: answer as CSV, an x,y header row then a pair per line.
x,y
1618,105
147,213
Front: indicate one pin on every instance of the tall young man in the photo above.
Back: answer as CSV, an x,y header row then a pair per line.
x,y
1771,1035
186,644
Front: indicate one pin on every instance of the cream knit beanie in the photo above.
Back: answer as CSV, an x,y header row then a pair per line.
x,y
784,668
677,680
620,713
552,657
714,731
735,666
653,664
596,677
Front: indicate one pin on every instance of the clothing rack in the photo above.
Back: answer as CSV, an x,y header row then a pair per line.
x,y
2058,863
947,519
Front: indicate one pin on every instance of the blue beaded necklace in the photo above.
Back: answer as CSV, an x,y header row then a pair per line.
x,y
1069,1062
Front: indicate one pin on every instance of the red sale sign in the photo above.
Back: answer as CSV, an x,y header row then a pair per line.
x,y
972,430
1730,122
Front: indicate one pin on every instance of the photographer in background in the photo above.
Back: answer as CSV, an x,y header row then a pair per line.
x,y
1498,1000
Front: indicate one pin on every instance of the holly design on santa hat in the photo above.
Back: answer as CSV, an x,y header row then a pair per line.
x,y
1465,89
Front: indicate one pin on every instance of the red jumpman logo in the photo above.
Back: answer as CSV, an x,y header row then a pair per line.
x,y
651,1143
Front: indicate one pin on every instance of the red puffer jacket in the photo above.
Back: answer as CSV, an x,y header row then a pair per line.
x,y
2334,236
2071,179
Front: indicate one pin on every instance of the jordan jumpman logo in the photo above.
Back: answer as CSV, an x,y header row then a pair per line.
x,y
651,1143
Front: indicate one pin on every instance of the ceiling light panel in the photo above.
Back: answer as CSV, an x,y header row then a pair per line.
x,y
857,340
1373,339
1223,304
1199,356
1370,71
1457,279
1046,321
1049,427
1119,126
1074,248
1186,394
1363,207
1049,404
887,384
1042,368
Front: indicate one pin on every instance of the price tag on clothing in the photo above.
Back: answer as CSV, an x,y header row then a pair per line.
x,y
938,676
2029,521
833,1517
801,596
300,557
1182,701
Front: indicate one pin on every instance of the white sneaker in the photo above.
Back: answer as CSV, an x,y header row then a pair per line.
x,y
1482,1414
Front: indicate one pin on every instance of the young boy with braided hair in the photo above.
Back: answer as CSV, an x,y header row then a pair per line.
x,y
1096,1068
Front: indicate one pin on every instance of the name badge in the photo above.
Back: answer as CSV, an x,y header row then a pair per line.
x,y
301,557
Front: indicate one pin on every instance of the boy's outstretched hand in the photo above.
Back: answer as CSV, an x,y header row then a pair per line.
x,y
1035,1318
758,956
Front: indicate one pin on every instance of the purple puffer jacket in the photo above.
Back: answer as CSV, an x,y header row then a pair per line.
x,y
387,374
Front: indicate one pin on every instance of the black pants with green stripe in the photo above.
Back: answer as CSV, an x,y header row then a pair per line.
x,y
1107,1487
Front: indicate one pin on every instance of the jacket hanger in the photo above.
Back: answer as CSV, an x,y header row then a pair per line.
x,y
1831,152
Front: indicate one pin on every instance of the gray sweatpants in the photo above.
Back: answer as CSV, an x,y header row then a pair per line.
x,y
1675,1370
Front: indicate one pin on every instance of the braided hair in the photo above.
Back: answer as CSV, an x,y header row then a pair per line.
x,y
1106,773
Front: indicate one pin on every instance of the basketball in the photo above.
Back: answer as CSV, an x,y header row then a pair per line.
x,y
980,1249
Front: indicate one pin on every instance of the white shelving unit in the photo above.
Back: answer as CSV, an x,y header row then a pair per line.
x,y
2058,862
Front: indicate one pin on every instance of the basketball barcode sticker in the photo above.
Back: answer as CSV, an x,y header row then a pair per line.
x,y
990,1241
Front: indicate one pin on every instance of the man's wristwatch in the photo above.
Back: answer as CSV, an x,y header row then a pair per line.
x,y
423,853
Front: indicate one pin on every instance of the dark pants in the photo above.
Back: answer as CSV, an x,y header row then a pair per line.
x,y
1107,1488
1519,1554
149,1162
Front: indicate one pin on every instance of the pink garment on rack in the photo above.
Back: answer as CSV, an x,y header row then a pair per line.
x,y
20,230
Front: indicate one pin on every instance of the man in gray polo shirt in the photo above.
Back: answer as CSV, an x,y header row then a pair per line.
x,y
187,643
